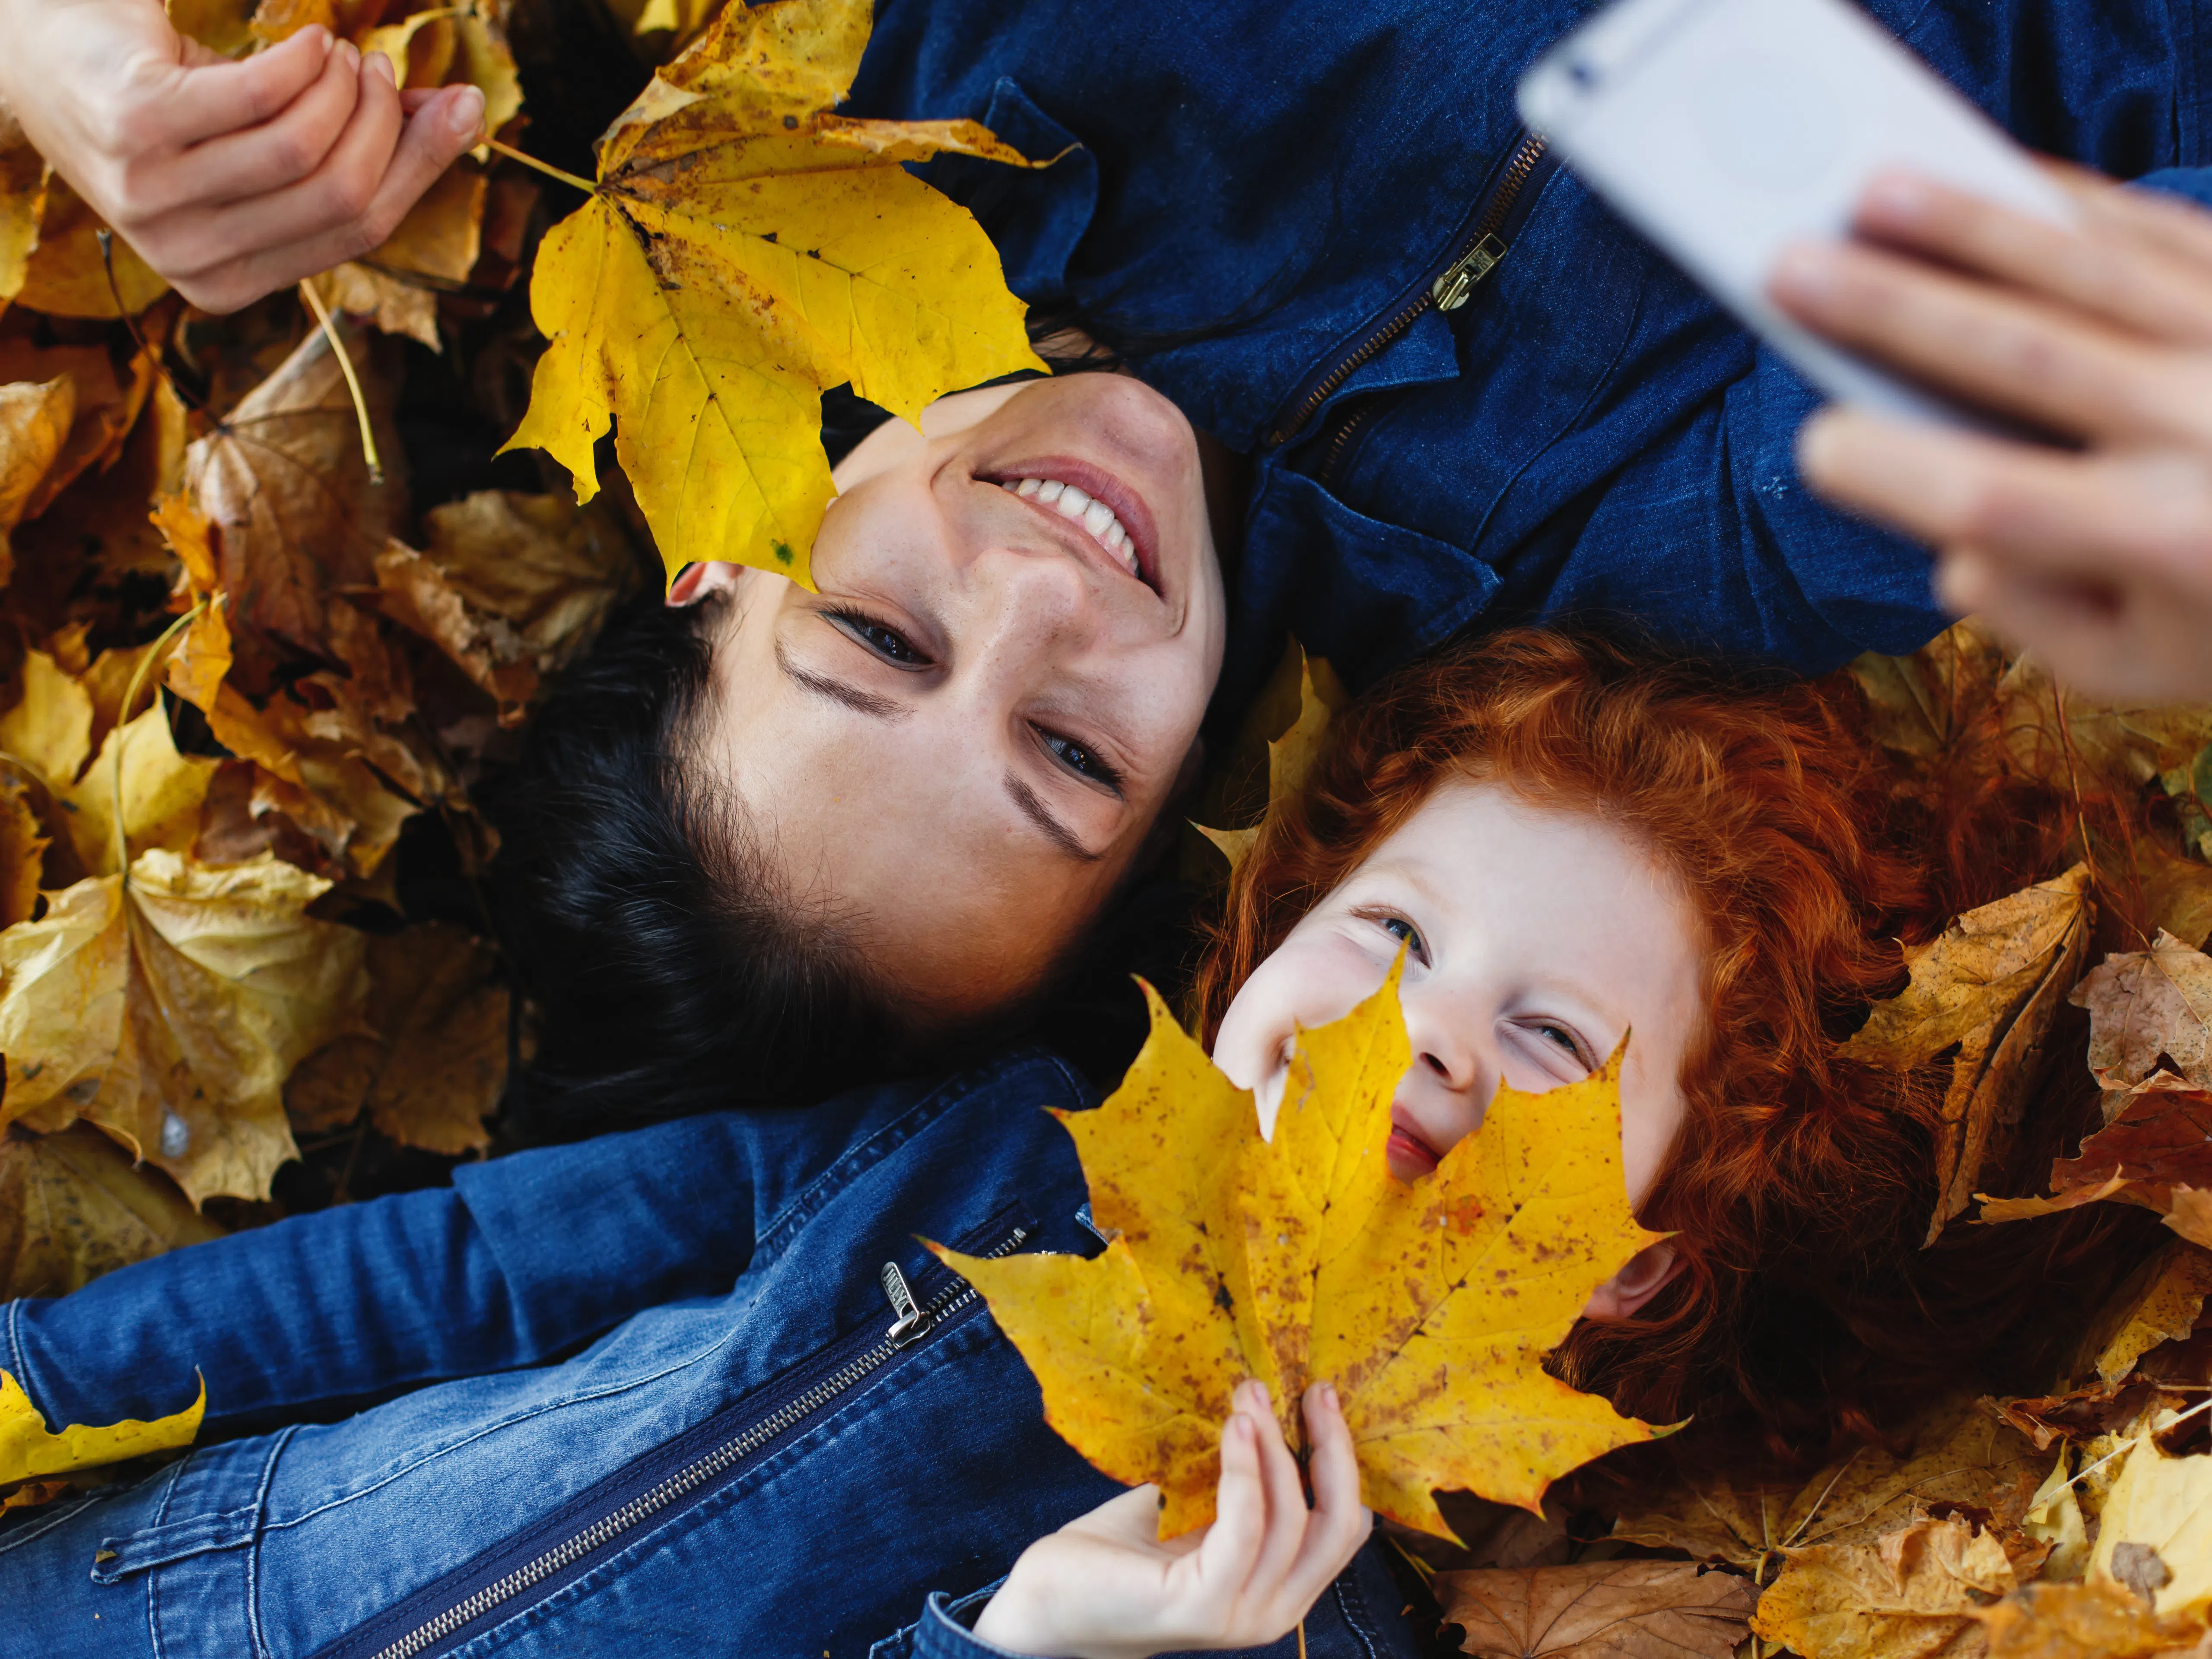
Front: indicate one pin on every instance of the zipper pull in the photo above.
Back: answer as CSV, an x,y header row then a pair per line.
x,y
1451,290
913,1320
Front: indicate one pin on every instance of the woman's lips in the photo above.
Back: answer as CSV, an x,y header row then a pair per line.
x,y
1130,508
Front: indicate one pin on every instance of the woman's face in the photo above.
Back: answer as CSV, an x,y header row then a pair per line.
x,y
958,745
1534,940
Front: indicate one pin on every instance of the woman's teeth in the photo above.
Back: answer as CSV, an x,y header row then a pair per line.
x,y
1094,516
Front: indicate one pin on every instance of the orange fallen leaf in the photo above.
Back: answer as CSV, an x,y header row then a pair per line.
x,y
2146,1006
2097,1619
1912,1595
73,1206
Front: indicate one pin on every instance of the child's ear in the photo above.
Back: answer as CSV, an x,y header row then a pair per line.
x,y
1648,1272
696,582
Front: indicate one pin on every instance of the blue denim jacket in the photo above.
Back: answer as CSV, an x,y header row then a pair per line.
x,y
644,1403
1263,188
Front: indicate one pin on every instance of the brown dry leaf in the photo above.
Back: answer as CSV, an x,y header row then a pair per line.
x,y
2157,1147
2094,742
284,482
23,201
415,594
2161,1302
1919,706
396,287
170,1013
2147,1006
1912,1595
22,850
72,1205
2176,892
66,276
1955,1456
2095,1619
431,1065
97,530
447,45
548,568
1990,985
1620,1609
109,397
201,660
1430,1305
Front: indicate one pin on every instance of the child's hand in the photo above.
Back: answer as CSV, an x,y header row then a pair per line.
x,y
230,179
1104,1586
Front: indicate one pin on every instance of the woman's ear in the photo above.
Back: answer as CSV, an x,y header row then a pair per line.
x,y
696,582
1648,1272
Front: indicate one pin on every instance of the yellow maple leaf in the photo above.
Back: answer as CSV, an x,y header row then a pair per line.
x,y
1292,751
1430,1306
743,250
27,1450
170,1010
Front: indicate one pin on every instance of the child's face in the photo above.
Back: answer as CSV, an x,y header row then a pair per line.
x,y
961,741
1534,940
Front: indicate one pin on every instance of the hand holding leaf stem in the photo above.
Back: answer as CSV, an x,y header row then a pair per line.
x,y
2099,555
231,178
1106,1587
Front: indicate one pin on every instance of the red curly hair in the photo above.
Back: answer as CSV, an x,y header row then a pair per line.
x,y
1775,817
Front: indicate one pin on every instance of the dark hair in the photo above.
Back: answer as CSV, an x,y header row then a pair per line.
x,y
672,970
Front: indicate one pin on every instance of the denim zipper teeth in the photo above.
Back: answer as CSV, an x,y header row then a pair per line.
x,y
1525,157
949,1300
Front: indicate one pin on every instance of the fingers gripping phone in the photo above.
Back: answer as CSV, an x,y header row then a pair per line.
x,y
1726,130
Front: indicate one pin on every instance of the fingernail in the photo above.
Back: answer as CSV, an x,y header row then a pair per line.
x,y
465,114
322,37
1900,198
1329,1396
379,64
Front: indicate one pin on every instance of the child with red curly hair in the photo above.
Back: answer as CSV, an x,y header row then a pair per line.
x,y
744,1446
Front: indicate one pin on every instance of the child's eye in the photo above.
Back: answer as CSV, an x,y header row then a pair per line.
x,y
1564,1042
1080,760
1403,931
886,642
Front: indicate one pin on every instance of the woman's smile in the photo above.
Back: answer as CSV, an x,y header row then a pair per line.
x,y
1102,505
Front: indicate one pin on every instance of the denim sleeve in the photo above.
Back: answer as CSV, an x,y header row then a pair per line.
x,y
2194,183
519,1259
946,1630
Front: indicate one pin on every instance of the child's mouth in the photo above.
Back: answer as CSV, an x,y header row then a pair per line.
x,y
1409,1155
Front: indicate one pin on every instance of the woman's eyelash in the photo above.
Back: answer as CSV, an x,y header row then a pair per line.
x,y
1080,759
881,638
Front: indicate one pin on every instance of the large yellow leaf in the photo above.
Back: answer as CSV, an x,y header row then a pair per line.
x,y
1990,985
50,728
1430,1306
27,1450
744,250
170,1013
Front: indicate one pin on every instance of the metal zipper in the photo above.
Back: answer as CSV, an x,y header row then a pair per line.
x,y
1478,256
912,1321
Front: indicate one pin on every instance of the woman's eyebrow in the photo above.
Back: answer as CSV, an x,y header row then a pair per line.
x,y
1041,815
870,703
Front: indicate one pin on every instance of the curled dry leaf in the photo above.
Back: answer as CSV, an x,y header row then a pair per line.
x,y
23,201
22,852
1990,987
1599,1610
28,1450
2147,1007
67,275
1953,1456
284,480
35,423
169,1011
2156,1152
430,1065
1290,754
395,288
743,250
2097,1619
72,1205
1911,1594
1430,1306
2161,1302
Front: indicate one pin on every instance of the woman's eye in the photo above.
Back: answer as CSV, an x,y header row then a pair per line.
x,y
886,642
1080,760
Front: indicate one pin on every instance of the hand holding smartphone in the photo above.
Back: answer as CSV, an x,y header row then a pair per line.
x,y
1726,130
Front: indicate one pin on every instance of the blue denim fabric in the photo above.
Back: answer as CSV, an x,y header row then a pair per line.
x,y
1258,184
768,1229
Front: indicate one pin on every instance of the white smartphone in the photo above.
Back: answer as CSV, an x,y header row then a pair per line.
x,y
1725,129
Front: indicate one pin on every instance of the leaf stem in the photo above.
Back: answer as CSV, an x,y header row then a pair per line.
x,y
123,719
353,382
574,181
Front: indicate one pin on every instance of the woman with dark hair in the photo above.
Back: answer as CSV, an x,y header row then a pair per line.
x,y
1566,839
1420,381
